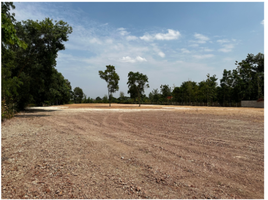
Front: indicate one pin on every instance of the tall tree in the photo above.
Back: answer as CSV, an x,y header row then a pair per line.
x,y
112,79
10,39
154,95
165,92
138,81
251,75
35,65
211,87
78,95
122,96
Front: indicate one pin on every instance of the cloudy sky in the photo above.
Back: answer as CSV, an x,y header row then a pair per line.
x,y
169,42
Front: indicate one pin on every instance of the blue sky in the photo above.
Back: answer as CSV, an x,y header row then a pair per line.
x,y
169,42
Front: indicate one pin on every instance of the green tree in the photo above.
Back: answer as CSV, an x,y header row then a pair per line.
x,y
35,65
122,96
105,99
165,92
250,75
154,96
177,94
211,85
59,91
98,99
10,83
112,79
78,95
138,82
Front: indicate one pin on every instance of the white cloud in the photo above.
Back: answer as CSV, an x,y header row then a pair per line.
x,y
95,41
138,58
130,60
223,41
207,49
131,37
227,45
161,54
227,48
146,37
183,50
201,38
158,51
109,41
171,35
203,56
262,22
122,31
193,45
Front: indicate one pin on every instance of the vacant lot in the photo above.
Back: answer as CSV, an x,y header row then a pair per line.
x,y
123,151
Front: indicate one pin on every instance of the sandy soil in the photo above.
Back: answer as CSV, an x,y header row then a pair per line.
x,y
123,151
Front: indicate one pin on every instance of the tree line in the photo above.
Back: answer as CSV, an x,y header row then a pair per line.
x,y
246,82
29,52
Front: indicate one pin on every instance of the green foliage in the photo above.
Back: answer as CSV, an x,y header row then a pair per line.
x,y
137,82
112,79
105,99
9,35
29,52
78,95
165,91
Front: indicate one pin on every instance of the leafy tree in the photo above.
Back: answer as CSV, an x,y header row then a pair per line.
x,y
34,66
98,99
112,78
227,83
137,82
133,92
211,85
78,95
59,91
10,83
165,91
105,99
250,75
44,40
177,94
154,95
29,52
9,35
84,100
122,96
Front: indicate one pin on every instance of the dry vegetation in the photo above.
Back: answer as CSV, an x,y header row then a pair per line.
x,y
93,151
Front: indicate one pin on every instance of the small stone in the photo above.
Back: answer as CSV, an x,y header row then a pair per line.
x,y
122,157
138,188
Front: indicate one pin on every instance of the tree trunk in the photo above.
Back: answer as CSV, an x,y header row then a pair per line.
x,y
109,98
139,99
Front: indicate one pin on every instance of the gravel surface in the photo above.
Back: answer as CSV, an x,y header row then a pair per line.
x,y
125,151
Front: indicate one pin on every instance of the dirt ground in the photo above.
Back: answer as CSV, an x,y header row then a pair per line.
x,y
96,151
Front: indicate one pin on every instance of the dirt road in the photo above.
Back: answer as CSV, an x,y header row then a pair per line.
x,y
93,151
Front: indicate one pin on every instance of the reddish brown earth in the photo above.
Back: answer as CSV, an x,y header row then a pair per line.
x,y
123,151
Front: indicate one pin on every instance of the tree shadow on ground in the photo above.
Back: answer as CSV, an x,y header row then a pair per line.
x,y
29,116
28,113
37,110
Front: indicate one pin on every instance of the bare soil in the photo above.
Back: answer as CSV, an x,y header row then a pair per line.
x,y
125,151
